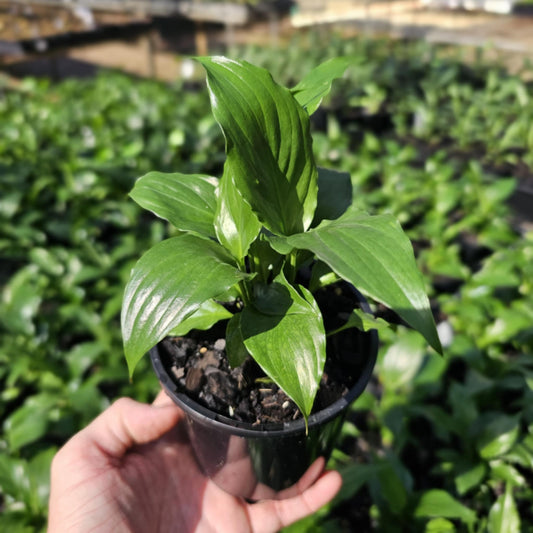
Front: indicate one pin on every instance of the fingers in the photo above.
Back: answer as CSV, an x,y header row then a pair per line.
x,y
127,423
309,477
272,515
162,399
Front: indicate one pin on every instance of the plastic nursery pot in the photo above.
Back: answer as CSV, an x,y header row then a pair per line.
x,y
269,460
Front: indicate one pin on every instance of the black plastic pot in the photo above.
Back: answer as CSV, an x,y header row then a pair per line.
x,y
274,460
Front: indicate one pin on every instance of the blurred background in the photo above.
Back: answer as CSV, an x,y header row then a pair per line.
x,y
434,121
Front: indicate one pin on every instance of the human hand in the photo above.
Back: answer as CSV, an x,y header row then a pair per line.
x,y
132,469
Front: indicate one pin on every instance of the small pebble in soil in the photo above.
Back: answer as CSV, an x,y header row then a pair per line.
x,y
220,344
178,372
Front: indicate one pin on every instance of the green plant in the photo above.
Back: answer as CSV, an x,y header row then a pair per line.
x,y
247,235
69,237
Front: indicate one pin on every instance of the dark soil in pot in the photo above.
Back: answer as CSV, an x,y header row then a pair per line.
x,y
199,367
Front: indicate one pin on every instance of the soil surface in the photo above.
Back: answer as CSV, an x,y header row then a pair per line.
x,y
200,368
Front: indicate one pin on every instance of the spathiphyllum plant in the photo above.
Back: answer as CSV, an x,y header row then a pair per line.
x,y
244,236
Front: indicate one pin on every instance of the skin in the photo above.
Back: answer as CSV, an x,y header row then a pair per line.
x,y
133,470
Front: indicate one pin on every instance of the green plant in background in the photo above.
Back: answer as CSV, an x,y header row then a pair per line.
x,y
68,240
272,212
69,236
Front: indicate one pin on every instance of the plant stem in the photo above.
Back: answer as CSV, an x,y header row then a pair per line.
x,y
291,266
244,289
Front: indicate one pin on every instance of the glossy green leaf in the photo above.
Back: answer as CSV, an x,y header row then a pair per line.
x,y
439,503
503,515
188,202
283,322
334,195
317,83
236,225
268,143
167,285
206,316
375,255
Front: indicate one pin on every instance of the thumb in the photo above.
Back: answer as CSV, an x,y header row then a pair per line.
x,y
273,515
127,423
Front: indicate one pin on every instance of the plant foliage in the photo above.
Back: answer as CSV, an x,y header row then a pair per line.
x,y
270,187
420,131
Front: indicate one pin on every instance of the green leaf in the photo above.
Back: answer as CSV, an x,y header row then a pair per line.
x,y
268,143
520,454
439,525
503,515
283,322
188,202
235,348
498,436
16,521
82,356
470,477
508,323
375,255
47,261
334,195
207,315
354,476
169,283
317,83
321,275
402,360
392,488
14,477
362,321
265,259
20,301
29,422
507,473
438,503
236,225
39,475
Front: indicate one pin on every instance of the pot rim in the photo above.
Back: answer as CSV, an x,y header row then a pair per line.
x,y
202,414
